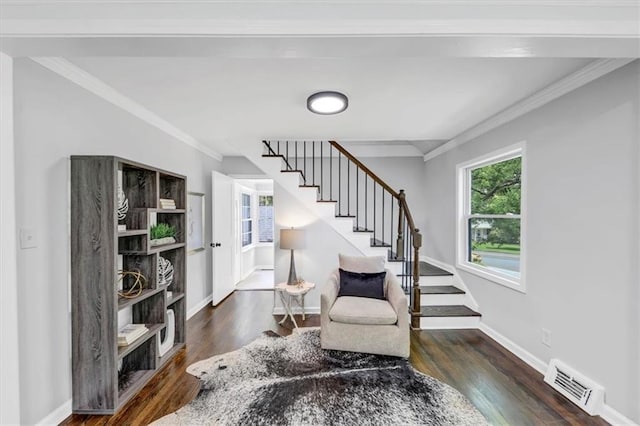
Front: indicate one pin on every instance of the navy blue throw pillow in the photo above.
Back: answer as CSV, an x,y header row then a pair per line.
x,y
362,284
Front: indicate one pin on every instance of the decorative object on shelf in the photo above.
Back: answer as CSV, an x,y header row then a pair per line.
x,y
136,289
167,204
130,333
165,272
123,208
162,233
292,239
170,334
195,222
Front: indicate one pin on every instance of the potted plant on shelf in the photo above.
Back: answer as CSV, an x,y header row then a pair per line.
x,y
162,233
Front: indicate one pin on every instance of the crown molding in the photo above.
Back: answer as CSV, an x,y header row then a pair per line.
x,y
592,71
552,3
96,86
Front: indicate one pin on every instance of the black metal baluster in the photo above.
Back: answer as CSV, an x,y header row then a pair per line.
x,y
304,163
330,172
357,197
313,161
339,185
374,210
296,152
321,174
287,155
348,189
382,233
366,210
278,147
391,240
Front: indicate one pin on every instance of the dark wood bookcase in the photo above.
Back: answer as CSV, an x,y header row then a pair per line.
x,y
106,376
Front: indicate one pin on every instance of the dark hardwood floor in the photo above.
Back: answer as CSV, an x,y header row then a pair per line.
x,y
502,387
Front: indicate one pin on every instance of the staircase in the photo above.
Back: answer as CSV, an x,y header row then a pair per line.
x,y
374,218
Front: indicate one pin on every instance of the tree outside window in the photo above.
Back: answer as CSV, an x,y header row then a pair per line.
x,y
493,215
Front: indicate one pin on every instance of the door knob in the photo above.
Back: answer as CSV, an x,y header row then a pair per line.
x,y
215,244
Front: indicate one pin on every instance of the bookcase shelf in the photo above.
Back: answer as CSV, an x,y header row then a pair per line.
x,y
106,376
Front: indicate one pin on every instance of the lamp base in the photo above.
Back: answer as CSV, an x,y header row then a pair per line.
x,y
293,278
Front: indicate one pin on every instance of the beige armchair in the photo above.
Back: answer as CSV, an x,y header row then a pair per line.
x,y
360,324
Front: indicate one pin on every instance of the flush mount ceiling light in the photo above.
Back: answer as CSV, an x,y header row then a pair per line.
x,y
327,103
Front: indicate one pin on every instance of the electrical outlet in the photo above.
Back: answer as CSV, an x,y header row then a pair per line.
x,y
546,337
28,238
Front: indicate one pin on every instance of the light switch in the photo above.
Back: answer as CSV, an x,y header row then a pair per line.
x,y
28,238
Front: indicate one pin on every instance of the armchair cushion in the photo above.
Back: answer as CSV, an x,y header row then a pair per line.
x,y
366,264
362,284
360,310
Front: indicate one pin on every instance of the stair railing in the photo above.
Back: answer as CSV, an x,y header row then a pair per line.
x,y
362,195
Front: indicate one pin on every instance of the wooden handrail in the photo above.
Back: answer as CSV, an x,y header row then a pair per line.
x,y
372,175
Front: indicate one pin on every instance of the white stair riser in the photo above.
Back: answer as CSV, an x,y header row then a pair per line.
x,y
442,299
437,280
436,323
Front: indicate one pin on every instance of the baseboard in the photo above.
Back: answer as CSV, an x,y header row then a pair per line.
x,y
535,362
199,306
615,418
264,268
58,415
279,310
612,416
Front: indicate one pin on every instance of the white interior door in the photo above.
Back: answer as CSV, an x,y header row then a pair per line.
x,y
222,236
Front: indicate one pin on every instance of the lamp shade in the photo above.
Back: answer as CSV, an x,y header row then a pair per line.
x,y
292,239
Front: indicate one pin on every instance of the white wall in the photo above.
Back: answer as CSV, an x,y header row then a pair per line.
x,y
55,119
320,257
582,230
9,367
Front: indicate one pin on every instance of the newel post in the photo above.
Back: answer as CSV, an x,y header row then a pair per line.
x,y
415,309
401,219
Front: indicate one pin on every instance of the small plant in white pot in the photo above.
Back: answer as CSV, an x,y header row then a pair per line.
x,y
162,233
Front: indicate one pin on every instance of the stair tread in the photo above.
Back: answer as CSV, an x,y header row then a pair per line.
x,y
378,243
327,201
345,215
440,289
273,155
361,229
291,171
308,186
392,257
448,311
428,270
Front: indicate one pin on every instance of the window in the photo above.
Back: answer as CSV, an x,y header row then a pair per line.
x,y
490,233
247,235
265,218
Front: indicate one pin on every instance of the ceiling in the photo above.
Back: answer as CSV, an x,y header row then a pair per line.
x,y
221,75
227,102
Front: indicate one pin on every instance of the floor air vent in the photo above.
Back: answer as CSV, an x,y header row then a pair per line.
x,y
583,392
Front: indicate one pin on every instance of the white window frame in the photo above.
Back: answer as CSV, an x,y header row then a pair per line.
x,y
464,208
251,219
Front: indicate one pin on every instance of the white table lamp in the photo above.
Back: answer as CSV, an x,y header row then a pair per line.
x,y
292,239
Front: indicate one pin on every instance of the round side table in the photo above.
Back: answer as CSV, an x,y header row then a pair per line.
x,y
289,293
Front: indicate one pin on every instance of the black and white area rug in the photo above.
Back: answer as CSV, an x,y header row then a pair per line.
x,y
291,381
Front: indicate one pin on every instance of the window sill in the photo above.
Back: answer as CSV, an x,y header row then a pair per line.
x,y
265,244
247,248
517,285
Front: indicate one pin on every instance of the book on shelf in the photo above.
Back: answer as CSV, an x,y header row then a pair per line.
x,y
122,228
130,332
167,203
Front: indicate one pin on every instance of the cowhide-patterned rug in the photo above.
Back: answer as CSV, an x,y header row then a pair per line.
x,y
292,381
